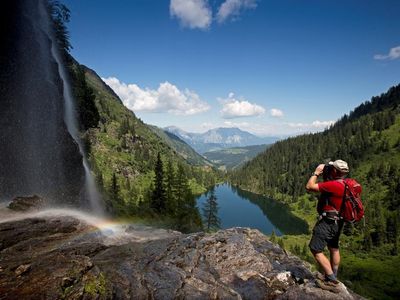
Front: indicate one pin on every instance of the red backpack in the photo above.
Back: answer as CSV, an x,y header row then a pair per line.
x,y
352,209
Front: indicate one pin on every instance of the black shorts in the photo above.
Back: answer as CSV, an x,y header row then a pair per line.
x,y
325,232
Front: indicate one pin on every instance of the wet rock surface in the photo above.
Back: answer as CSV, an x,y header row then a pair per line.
x,y
63,257
27,203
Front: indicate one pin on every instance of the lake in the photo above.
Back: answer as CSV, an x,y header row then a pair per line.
x,y
239,208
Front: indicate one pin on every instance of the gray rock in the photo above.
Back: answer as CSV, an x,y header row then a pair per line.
x,y
70,259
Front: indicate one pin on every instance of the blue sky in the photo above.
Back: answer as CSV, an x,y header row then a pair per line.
x,y
269,67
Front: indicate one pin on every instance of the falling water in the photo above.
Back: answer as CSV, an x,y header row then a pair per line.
x,y
70,116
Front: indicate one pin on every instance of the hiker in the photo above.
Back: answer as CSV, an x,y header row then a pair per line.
x,y
329,225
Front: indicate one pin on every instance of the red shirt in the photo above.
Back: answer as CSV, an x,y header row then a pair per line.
x,y
331,195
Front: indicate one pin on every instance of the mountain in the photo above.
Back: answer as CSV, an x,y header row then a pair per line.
x,y
219,138
181,147
232,158
124,153
369,140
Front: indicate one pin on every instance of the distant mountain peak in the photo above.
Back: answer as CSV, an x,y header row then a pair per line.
x,y
219,138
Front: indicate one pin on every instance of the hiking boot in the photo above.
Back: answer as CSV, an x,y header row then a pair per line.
x,y
329,285
319,276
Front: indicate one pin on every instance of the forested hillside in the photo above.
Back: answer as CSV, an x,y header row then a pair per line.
x,y
181,147
138,173
369,140
124,156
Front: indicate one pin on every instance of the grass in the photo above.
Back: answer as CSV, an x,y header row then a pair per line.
x,y
96,285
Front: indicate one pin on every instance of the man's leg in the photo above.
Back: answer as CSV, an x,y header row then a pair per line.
x,y
321,234
335,259
324,262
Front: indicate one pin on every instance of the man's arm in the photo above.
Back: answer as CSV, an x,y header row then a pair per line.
x,y
312,185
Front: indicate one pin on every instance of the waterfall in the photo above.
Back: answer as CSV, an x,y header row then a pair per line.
x,y
70,117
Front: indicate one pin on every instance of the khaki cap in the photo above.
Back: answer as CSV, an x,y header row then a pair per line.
x,y
340,165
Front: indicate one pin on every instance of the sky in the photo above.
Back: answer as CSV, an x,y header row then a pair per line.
x,y
273,68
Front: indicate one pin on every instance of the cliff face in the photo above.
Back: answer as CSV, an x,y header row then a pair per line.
x,y
37,154
57,255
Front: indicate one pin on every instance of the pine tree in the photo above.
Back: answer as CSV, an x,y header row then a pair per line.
x,y
272,238
158,196
187,215
210,212
114,192
170,189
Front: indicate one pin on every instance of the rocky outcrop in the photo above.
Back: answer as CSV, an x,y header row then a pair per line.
x,y
64,257
27,203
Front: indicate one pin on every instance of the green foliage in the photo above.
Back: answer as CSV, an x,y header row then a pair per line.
x,y
273,237
211,220
281,243
96,285
158,198
373,277
88,115
124,157
181,148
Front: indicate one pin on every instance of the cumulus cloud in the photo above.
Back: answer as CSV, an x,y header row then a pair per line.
x,y
191,13
277,113
394,53
167,98
234,108
233,8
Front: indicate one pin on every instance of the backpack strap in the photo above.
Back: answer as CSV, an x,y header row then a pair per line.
x,y
342,181
342,206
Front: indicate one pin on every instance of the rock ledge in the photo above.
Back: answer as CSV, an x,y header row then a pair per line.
x,y
60,257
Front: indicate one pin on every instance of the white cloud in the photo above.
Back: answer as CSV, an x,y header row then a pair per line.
x,y
191,13
236,124
394,53
233,8
274,128
276,113
312,126
167,98
233,108
280,129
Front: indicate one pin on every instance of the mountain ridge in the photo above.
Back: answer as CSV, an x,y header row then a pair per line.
x,y
232,158
220,138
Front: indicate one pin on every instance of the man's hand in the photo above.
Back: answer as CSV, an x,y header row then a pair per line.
x,y
312,184
319,170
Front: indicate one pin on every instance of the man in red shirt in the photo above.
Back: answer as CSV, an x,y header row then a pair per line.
x,y
327,230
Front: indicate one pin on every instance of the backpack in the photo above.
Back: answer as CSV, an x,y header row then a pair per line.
x,y
352,209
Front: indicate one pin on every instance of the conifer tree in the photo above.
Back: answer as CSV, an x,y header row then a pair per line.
x,y
210,212
158,196
187,215
272,238
114,191
170,189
